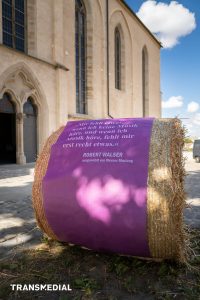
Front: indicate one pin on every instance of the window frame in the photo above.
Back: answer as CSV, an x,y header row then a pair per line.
x,y
81,66
145,81
13,24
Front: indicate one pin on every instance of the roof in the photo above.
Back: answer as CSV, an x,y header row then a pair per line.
x,y
138,19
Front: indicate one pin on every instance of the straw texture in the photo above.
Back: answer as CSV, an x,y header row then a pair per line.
x,y
165,192
40,171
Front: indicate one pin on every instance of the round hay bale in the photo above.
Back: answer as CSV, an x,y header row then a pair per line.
x,y
165,190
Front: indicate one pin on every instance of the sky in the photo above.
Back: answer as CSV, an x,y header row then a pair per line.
x,y
177,26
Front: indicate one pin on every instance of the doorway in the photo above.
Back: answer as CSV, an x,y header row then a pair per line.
x,y
7,131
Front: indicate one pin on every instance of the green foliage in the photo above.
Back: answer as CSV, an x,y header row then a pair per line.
x,y
188,140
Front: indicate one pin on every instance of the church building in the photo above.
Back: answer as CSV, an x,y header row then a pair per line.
x,y
66,60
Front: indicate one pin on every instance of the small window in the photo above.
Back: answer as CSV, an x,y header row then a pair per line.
x,y
145,82
13,15
29,108
80,52
118,66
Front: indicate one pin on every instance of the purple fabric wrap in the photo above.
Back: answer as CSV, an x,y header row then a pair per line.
x,y
95,187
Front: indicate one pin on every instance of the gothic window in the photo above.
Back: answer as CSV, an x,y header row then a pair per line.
x,y
30,130
118,67
145,82
80,40
13,17
29,108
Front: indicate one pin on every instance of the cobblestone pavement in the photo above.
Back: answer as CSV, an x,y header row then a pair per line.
x,y
192,187
17,223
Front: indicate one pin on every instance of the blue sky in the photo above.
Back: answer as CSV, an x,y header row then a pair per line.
x,y
179,26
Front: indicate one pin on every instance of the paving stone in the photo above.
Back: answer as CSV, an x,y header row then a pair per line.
x,y
192,187
17,221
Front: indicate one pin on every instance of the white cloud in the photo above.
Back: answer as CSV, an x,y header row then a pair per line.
x,y
168,21
196,120
173,102
189,126
192,107
192,124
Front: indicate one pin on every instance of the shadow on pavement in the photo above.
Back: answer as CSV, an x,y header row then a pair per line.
x,y
17,221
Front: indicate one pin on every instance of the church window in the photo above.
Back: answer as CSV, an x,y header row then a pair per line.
x,y
13,20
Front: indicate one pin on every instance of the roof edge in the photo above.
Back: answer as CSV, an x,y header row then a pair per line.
x,y
138,19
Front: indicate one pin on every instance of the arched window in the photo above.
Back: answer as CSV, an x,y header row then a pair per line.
x,y
118,60
29,108
30,130
145,82
80,40
14,19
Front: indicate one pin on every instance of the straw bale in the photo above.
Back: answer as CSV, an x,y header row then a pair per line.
x,y
165,192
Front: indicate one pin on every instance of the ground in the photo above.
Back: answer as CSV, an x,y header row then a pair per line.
x,y
17,222
27,257
192,186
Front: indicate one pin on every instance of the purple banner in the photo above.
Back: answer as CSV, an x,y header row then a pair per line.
x,y
95,187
